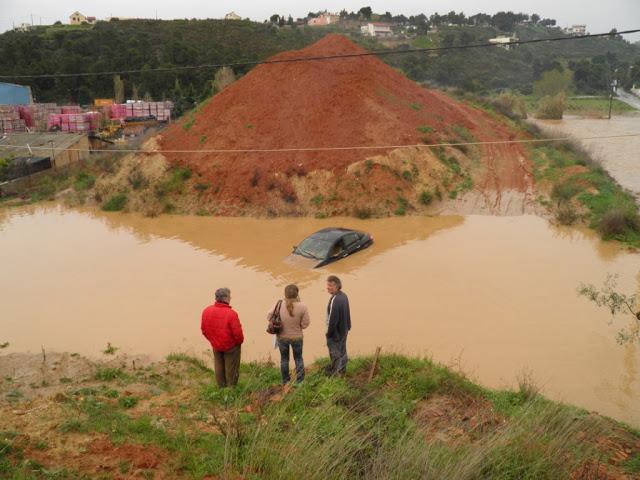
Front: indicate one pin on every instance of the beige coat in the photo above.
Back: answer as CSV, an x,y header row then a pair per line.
x,y
292,325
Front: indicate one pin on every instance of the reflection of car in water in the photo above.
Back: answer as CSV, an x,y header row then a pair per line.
x,y
331,244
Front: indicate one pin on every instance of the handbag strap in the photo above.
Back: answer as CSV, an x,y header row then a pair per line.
x,y
276,311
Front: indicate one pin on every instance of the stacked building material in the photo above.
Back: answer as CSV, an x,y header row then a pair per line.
x,y
36,115
10,121
161,111
74,122
71,109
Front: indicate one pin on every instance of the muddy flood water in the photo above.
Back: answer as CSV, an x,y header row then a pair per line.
x,y
494,296
619,156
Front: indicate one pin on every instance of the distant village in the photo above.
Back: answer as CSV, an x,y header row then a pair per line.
x,y
369,23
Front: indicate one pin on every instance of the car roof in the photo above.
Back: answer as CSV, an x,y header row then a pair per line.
x,y
332,233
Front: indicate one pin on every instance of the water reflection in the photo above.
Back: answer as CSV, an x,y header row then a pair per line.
x,y
264,244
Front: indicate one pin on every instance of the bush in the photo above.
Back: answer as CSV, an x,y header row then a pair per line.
x,y
426,198
137,179
115,203
84,181
551,107
565,191
618,223
362,213
566,215
510,105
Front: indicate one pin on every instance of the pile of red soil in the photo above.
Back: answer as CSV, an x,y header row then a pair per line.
x,y
329,103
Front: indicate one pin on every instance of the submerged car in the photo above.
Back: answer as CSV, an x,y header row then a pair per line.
x,y
331,244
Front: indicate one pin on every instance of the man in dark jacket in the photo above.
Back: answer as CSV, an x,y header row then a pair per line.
x,y
338,326
221,326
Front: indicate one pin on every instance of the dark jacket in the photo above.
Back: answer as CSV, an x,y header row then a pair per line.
x,y
221,326
339,316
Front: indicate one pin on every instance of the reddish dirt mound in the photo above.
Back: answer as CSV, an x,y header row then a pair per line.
x,y
331,103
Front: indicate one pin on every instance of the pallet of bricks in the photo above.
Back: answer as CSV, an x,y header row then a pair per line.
x,y
161,111
36,115
74,122
10,121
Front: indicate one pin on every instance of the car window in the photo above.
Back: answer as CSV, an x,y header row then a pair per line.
x,y
314,247
337,248
350,239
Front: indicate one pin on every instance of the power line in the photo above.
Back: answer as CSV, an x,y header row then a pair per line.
x,y
327,149
318,58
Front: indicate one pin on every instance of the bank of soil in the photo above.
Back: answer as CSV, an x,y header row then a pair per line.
x,y
125,417
343,103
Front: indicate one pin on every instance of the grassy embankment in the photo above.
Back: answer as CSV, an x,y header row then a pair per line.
x,y
595,107
580,190
415,419
571,185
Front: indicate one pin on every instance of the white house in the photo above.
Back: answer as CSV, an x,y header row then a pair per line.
x,y
376,29
232,16
76,18
576,30
504,42
22,27
323,19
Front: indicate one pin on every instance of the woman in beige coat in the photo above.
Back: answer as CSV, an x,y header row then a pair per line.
x,y
294,317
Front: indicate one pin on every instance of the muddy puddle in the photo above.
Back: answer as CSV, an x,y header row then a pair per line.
x,y
495,296
619,156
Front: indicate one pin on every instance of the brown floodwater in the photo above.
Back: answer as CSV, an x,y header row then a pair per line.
x,y
495,296
619,156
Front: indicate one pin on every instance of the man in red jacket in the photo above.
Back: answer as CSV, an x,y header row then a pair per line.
x,y
221,326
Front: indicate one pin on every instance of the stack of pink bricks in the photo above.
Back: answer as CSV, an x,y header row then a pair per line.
x,y
10,121
161,111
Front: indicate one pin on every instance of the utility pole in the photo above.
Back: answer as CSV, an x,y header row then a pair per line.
x,y
613,84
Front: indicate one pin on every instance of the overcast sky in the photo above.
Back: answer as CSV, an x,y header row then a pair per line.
x,y
598,16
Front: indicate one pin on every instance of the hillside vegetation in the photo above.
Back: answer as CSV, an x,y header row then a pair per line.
x,y
150,44
413,419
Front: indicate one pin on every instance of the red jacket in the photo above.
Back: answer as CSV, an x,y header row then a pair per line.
x,y
221,326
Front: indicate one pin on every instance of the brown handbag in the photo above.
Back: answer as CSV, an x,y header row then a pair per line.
x,y
275,322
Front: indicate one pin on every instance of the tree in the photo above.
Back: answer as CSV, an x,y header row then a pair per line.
x,y
618,304
223,78
365,13
535,18
548,22
275,18
118,89
553,82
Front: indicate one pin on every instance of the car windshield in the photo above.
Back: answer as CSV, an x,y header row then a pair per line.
x,y
314,247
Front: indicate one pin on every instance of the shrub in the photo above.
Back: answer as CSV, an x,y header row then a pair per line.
x,y
368,166
317,200
137,179
424,129
362,213
175,182
566,215
407,175
565,191
84,181
510,105
617,223
403,204
551,108
426,198
127,402
115,203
